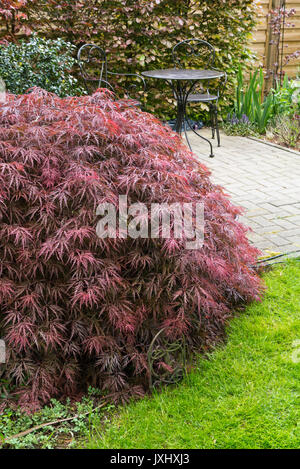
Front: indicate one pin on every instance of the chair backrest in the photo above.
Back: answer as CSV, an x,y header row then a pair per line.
x,y
193,52
92,61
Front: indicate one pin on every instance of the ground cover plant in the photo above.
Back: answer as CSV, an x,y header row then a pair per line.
x,y
243,395
54,426
240,126
77,310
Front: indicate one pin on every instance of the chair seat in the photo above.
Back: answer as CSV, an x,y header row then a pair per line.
x,y
196,98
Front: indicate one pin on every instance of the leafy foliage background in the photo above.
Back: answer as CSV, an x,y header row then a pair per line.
x,y
139,35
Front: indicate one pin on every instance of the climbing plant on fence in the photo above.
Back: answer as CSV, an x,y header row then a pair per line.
x,y
139,35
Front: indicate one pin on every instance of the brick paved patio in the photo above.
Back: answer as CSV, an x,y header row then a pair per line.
x,y
265,181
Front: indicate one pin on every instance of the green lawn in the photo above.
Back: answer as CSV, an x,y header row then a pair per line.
x,y
245,395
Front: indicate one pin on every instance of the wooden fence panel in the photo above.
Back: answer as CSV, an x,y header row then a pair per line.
x,y
261,36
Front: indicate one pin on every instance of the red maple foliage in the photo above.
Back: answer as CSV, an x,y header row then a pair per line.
x,y
77,310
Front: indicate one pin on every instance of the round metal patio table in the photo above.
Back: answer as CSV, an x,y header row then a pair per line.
x,y
183,82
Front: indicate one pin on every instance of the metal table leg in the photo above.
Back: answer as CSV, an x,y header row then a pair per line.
x,y
182,90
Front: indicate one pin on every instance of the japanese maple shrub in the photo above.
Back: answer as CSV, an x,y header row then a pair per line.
x,y
78,310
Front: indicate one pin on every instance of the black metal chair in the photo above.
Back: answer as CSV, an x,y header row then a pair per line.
x,y
193,53
92,61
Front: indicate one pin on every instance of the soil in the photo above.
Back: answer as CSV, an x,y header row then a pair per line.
x,y
277,141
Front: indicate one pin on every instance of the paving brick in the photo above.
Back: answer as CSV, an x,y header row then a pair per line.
x,y
286,224
273,229
278,240
294,232
264,222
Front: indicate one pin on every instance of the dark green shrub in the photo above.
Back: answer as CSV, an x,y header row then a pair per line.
x,y
39,62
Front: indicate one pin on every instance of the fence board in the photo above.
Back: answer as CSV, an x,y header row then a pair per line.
x,y
260,43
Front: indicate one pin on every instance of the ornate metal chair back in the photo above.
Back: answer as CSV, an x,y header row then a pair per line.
x,y
92,61
194,53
